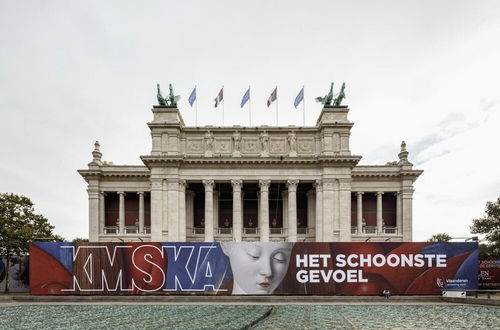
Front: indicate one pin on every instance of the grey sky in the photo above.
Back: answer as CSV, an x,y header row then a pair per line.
x,y
423,71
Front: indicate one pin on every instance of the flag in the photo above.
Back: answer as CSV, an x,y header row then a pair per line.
x,y
219,97
245,98
299,98
272,97
192,97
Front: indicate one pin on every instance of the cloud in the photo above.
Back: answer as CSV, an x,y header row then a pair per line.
x,y
430,146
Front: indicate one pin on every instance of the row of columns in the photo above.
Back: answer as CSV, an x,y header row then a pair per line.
x,y
263,210
121,211
332,222
359,220
175,211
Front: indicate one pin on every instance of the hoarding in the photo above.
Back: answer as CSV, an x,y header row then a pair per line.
x,y
252,268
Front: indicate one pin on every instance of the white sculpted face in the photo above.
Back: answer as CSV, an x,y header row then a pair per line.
x,y
258,268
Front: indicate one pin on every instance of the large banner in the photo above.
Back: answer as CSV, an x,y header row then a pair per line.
x,y
252,268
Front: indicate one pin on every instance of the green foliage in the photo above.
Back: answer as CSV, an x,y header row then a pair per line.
x,y
80,239
19,226
489,225
441,237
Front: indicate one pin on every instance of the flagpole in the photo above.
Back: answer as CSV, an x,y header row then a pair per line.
x,y
196,108
249,108
303,107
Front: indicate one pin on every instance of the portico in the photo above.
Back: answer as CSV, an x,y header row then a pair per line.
x,y
250,184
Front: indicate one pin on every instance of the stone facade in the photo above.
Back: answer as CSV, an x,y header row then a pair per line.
x,y
250,184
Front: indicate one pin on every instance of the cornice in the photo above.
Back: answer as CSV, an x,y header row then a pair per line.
x,y
318,160
116,171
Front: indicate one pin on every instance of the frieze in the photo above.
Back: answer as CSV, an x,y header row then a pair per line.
x,y
306,145
223,145
194,145
277,145
251,145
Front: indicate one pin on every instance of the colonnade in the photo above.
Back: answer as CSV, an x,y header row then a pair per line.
x,y
328,212
380,226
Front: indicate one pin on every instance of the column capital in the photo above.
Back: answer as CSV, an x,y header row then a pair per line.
x,y
359,193
318,184
264,184
209,184
121,193
103,193
379,193
237,184
140,193
156,184
397,193
292,184
183,185
329,184
172,184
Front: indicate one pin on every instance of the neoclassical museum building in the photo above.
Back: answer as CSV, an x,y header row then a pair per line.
x,y
250,184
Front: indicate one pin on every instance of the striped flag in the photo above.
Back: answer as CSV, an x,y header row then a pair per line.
x,y
192,97
219,97
272,97
299,98
245,98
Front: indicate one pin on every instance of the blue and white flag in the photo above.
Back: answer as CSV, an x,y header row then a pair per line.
x,y
245,98
299,98
192,97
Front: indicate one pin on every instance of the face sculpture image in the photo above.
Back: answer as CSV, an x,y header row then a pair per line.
x,y
258,268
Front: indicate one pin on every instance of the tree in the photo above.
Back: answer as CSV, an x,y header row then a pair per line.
x,y
489,225
19,226
441,237
79,239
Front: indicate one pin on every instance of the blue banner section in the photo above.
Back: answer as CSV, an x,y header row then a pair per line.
x,y
196,267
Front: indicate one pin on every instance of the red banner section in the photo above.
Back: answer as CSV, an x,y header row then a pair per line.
x,y
489,274
252,268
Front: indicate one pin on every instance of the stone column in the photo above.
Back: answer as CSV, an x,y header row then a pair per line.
x,y
264,210
292,210
156,210
121,214
319,210
216,211
379,212
182,210
345,209
189,211
165,210
359,220
102,212
141,212
336,209
311,210
284,196
209,210
237,209
398,213
93,192
407,202
173,210
328,210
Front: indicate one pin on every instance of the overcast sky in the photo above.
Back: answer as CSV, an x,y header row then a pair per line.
x,y
72,72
